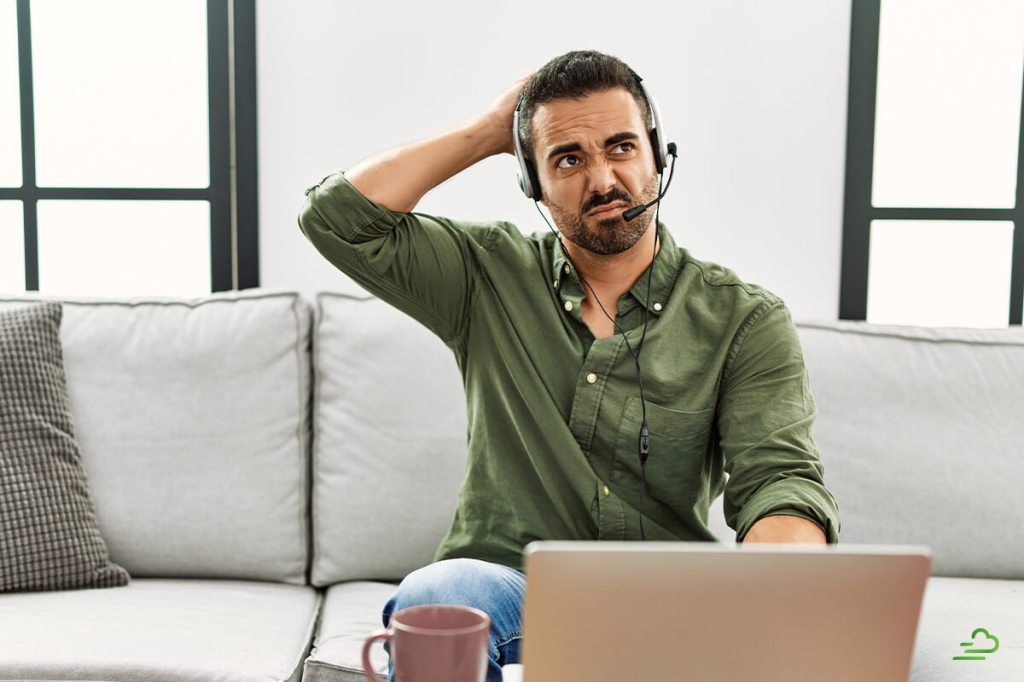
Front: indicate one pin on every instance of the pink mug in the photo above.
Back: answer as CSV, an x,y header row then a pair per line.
x,y
434,642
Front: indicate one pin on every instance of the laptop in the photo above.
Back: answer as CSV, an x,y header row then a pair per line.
x,y
666,611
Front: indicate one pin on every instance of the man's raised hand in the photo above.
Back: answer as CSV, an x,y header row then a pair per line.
x,y
501,113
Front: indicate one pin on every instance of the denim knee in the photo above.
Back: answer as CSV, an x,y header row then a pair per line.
x,y
492,588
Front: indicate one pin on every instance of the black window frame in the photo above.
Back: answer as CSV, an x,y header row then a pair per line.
x,y
234,227
858,211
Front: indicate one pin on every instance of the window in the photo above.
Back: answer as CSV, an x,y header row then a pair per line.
x,y
127,146
933,229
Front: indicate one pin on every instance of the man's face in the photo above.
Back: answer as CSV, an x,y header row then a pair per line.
x,y
594,160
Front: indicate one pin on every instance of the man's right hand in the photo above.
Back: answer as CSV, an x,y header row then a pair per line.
x,y
398,178
501,114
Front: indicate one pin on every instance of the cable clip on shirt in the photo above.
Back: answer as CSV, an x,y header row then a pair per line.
x,y
645,444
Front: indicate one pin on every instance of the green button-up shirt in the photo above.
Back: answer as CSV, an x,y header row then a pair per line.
x,y
554,414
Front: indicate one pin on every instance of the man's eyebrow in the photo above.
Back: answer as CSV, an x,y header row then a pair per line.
x,y
563,149
620,137
575,146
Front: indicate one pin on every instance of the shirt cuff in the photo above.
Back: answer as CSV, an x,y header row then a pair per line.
x,y
350,214
792,497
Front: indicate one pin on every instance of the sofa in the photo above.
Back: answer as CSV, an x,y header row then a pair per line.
x,y
268,465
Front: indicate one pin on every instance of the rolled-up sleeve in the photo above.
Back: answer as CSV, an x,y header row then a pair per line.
x,y
766,412
423,265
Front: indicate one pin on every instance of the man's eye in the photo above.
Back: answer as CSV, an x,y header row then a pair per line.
x,y
624,147
568,161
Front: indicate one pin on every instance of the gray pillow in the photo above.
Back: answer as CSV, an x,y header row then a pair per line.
x,y
49,538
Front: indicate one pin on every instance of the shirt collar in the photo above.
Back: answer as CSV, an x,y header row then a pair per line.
x,y
663,278
560,266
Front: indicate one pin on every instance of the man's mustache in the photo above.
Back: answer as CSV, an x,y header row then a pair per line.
x,y
615,194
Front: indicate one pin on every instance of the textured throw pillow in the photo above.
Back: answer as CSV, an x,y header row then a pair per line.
x,y
49,539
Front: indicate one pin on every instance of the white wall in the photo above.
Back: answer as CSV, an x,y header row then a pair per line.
x,y
752,91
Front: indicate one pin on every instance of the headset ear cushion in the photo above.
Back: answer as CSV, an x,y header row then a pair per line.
x,y
659,159
531,170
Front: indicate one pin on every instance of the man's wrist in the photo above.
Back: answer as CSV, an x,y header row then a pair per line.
x,y
490,135
783,528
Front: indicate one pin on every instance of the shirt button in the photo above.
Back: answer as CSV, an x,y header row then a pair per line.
x,y
568,305
565,269
591,378
657,306
607,492
555,284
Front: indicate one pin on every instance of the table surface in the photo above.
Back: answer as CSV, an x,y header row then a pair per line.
x,y
513,672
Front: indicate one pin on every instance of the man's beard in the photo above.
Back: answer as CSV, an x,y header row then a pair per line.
x,y
609,235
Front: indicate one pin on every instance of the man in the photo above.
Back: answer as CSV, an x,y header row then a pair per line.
x,y
545,328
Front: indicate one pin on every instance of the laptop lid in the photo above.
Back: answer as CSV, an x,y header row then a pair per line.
x,y
613,611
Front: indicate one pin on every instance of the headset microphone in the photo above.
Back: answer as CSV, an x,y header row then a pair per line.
x,y
637,210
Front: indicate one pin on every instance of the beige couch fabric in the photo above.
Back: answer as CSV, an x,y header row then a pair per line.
x,y
351,612
389,449
160,631
920,432
953,610
192,418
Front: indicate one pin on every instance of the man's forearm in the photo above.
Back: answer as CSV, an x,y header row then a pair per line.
x,y
398,178
785,529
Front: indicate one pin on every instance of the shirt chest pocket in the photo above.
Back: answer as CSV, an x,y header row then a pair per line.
x,y
677,456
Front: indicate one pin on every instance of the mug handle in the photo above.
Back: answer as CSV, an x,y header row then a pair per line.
x,y
371,674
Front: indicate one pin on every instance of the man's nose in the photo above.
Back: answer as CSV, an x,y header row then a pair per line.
x,y
601,178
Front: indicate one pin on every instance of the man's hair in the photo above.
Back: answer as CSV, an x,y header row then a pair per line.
x,y
575,75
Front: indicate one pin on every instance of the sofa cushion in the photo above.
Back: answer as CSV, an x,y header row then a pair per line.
x,y
953,608
192,417
389,447
49,539
160,630
952,612
920,433
351,612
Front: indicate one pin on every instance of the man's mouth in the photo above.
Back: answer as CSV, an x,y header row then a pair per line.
x,y
607,208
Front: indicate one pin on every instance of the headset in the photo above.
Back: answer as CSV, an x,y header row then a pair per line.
x,y
529,183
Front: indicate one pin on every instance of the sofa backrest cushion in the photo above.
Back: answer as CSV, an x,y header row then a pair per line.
x,y
193,418
920,432
389,447
49,538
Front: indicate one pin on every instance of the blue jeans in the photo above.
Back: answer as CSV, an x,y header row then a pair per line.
x,y
494,589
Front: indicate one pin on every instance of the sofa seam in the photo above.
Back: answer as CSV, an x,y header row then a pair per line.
x,y
305,438
187,303
333,666
314,425
311,629
825,326
341,294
